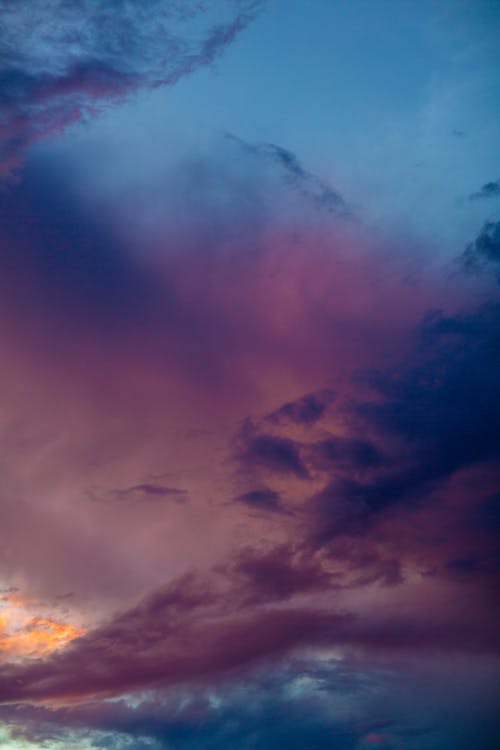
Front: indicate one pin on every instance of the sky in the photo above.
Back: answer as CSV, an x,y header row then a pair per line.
x,y
249,346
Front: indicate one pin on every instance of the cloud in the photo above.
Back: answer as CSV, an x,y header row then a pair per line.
x,y
489,190
179,633
129,360
120,348
62,62
322,195
445,406
193,631
277,574
484,252
352,454
289,707
306,410
148,491
275,454
262,499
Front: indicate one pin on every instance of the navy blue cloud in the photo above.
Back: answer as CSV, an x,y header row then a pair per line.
x,y
483,254
443,411
353,454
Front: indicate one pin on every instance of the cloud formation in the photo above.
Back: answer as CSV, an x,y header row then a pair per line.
x,y
304,701
261,499
310,186
305,410
61,62
489,190
484,252
195,630
249,437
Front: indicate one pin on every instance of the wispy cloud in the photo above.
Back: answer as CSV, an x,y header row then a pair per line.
x,y
489,190
309,185
61,62
148,491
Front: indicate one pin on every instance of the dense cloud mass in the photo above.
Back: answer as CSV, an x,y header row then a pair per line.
x,y
250,435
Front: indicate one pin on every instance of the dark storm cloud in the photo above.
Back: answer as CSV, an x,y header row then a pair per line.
x,y
309,185
448,404
489,190
484,252
60,61
441,414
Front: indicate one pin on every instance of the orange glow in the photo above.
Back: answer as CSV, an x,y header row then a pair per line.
x,y
25,635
